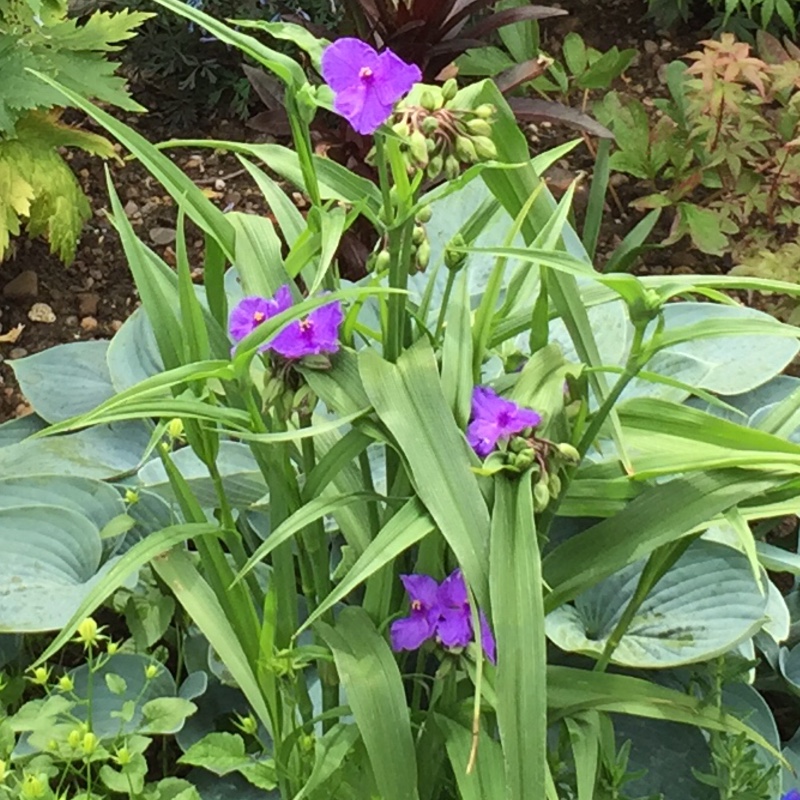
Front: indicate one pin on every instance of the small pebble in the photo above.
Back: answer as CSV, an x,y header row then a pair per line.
x,y
89,324
41,312
18,352
26,284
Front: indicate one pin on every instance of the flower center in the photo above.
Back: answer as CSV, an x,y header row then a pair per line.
x,y
259,316
416,605
502,419
306,325
366,74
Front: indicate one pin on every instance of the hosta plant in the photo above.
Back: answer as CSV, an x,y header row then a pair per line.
x,y
38,191
475,526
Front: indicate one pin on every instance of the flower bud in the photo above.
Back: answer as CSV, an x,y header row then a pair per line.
x,y
485,111
465,150
418,234
382,261
424,214
41,675
455,259
418,147
452,169
111,648
423,255
554,485
480,127
435,166
523,459
429,125
484,147
568,452
65,683
88,633
541,496
429,100
273,389
449,89
123,756
150,671
33,787
175,429
90,743
74,738
131,496
247,724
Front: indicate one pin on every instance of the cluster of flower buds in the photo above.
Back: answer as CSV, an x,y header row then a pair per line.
x,y
545,459
420,246
440,138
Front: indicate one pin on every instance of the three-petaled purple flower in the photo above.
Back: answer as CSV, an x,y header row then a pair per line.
x,y
440,612
366,84
792,794
316,333
494,418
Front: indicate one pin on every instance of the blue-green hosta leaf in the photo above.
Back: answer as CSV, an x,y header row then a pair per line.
x,y
103,452
133,352
51,558
666,752
65,380
705,605
241,477
725,365
97,501
449,215
16,430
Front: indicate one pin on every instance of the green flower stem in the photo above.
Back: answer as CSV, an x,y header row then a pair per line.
x,y
636,360
305,153
448,289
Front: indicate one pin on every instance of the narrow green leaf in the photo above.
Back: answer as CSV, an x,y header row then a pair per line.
x,y
370,677
662,514
518,615
408,398
408,526
457,353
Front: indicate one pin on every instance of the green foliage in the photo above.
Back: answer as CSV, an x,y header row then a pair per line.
x,y
741,16
39,190
723,151
279,501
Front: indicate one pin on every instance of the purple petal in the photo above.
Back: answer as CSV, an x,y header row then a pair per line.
x,y
487,641
520,418
453,591
394,77
484,402
343,61
410,632
361,106
247,315
482,436
292,342
453,628
326,320
281,300
421,589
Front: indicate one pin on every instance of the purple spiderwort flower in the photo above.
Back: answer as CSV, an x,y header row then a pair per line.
x,y
494,418
366,84
316,333
792,794
440,612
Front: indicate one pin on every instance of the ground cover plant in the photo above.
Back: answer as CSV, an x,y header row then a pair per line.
x,y
39,192
484,523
